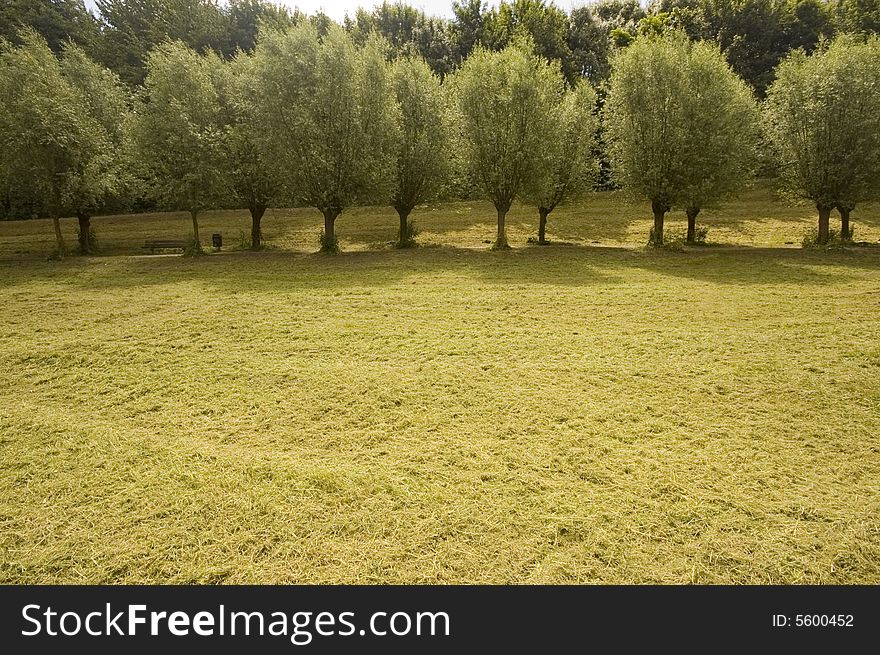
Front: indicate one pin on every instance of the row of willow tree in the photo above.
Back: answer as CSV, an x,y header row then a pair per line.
x,y
311,118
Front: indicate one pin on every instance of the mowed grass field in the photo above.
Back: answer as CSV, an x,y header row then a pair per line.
x,y
569,414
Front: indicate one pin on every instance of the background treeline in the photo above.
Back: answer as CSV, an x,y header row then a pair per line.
x,y
186,105
754,34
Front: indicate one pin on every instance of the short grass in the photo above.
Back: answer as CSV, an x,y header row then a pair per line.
x,y
447,414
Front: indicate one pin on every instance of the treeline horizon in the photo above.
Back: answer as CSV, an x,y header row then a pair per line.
x,y
318,114
755,35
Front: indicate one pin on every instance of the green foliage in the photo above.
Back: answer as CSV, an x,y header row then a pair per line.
x,y
505,100
568,166
701,235
177,129
722,129
330,117
193,248
60,126
813,239
423,157
823,119
409,33
682,128
252,181
59,22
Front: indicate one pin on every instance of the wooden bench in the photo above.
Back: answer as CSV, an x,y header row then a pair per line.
x,y
165,244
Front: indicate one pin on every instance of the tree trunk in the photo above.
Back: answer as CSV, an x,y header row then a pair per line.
x,y
403,239
257,212
542,224
659,214
692,223
824,221
501,238
330,214
844,222
195,219
59,238
85,225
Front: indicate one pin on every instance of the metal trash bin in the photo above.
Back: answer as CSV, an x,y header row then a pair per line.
x,y
217,240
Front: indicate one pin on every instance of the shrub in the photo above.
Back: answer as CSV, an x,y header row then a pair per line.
x,y
701,232
193,249
811,239
672,240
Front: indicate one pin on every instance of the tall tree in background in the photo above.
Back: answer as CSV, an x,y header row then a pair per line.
x,y
467,27
57,21
176,131
504,100
131,28
723,129
569,165
408,31
823,118
589,43
544,22
245,18
331,119
857,16
48,130
423,154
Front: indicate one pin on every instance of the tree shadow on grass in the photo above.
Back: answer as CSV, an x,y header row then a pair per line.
x,y
755,266
564,266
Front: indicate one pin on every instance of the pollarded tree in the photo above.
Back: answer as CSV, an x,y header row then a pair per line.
x,y
105,99
823,118
723,128
48,134
423,154
570,166
646,123
252,181
331,119
504,101
176,131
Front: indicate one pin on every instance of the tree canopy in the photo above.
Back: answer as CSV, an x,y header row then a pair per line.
x,y
569,164
177,131
680,125
504,102
423,161
330,117
823,117
59,127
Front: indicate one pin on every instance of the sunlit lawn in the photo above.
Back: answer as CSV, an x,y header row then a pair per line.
x,y
574,413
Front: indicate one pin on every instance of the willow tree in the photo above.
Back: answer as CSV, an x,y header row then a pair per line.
x,y
423,161
722,132
645,114
570,166
504,101
330,117
49,134
250,177
823,118
105,101
177,131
